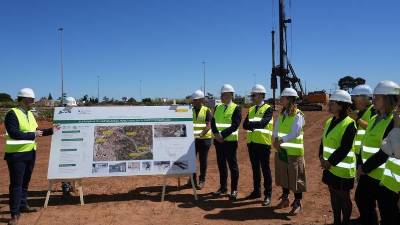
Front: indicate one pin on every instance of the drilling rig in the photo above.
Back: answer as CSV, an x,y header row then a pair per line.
x,y
286,73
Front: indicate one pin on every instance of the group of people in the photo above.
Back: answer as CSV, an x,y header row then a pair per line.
x,y
221,126
360,142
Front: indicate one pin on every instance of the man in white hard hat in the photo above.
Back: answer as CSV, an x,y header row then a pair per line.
x,y
20,151
202,117
258,124
361,111
70,102
225,127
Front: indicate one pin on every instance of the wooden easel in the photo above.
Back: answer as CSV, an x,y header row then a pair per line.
x,y
76,184
179,184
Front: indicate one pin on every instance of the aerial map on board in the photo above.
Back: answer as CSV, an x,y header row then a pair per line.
x,y
118,143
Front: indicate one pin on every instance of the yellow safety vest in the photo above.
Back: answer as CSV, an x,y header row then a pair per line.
x,y
294,147
27,123
199,123
391,175
263,135
331,142
372,141
223,120
361,131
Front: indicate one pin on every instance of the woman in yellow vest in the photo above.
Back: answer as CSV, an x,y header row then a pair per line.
x,y
20,151
374,161
337,156
391,146
289,160
202,133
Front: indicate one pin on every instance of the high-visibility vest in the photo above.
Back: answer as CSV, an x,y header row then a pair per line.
x,y
372,141
294,147
332,141
361,131
262,135
27,123
223,120
391,175
199,123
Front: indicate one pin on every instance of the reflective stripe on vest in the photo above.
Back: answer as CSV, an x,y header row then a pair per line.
x,y
27,123
372,140
199,123
332,141
262,135
295,146
223,120
361,131
391,175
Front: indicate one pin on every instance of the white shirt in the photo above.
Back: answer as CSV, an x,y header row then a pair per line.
x,y
391,144
296,128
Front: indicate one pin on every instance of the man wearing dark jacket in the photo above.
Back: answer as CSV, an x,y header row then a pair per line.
x,y
20,151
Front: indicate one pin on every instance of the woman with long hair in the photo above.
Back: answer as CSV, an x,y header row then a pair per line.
x,y
289,160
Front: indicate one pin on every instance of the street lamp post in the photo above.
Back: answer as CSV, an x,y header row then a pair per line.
x,y
62,64
98,89
204,77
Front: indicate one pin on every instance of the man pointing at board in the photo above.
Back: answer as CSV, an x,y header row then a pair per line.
x,y
20,151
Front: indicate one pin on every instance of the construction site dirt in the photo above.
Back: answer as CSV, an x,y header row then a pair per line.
x,y
137,199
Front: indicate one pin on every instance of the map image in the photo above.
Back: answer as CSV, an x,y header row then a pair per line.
x,y
118,143
171,130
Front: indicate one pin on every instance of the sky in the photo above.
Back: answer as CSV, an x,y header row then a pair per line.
x,y
162,43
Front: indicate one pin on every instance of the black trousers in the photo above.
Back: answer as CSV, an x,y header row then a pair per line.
x,y
20,172
367,194
202,148
341,206
226,153
259,157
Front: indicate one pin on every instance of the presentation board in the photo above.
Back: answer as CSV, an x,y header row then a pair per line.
x,y
122,141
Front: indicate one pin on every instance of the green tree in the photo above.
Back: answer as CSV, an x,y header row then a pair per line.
x,y
4,97
50,97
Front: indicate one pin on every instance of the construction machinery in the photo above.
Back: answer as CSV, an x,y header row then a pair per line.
x,y
288,78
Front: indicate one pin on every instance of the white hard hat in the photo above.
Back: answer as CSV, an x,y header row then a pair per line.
x,y
227,88
341,96
386,87
362,90
289,92
198,94
70,101
26,93
258,88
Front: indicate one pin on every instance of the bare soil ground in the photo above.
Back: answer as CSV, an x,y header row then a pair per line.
x,y
136,200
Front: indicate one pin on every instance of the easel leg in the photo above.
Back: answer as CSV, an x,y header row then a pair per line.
x,y
50,187
194,188
80,188
163,189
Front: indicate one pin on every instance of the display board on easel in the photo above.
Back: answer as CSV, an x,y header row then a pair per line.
x,y
121,141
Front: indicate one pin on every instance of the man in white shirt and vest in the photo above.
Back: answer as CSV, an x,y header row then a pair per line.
x,y
259,124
